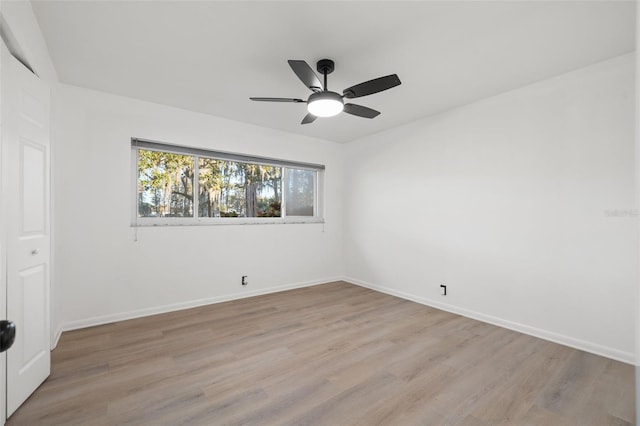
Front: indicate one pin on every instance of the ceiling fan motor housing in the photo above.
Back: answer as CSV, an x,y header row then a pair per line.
x,y
325,95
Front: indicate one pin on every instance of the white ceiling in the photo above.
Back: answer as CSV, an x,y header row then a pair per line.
x,y
210,56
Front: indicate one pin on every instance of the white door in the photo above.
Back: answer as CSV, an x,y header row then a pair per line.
x,y
3,258
25,192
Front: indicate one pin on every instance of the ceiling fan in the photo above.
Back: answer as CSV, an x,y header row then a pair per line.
x,y
324,103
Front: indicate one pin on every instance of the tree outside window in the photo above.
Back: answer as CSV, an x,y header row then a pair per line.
x,y
224,188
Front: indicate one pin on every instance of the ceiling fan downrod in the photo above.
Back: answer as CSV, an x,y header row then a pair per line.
x,y
325,67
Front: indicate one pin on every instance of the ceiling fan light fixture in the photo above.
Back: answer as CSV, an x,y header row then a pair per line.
x,y
325,104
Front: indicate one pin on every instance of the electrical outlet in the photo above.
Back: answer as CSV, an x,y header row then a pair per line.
x,y
443,289
245,280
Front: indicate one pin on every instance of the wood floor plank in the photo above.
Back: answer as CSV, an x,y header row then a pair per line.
x,y
333,354
283,407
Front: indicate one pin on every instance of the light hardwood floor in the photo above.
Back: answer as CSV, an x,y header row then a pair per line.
x,y
329,355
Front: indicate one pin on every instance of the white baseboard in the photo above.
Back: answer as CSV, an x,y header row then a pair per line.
x,y
618,355
123,316
56,338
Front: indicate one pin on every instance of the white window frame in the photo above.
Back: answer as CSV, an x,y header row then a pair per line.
x,y
138,143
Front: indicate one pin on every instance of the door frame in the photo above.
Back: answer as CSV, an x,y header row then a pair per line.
x,y
3,254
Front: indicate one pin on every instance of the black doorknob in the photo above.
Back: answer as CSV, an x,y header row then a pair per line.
x,y
7,334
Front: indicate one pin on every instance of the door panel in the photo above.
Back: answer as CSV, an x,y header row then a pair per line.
x,y
26,204
33,190
33,284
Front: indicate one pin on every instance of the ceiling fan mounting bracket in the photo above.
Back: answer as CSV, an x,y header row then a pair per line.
x,y
325,66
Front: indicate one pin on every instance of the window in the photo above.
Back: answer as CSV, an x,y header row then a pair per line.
x,y
165,184
300,192
179,185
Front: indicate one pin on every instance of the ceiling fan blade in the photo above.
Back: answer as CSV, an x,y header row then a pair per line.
x,y
309,118
360,111
372,86
306,75
278,100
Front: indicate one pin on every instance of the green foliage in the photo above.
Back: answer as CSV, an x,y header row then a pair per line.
x,y
165,184
232,213
271,210
225,188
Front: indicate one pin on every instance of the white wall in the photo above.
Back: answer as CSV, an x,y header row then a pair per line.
x,y
102,274
509,201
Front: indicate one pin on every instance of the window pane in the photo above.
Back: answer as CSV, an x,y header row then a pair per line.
x,y
300,194
269,192
165,184
210,182
221,187
235,189
262,189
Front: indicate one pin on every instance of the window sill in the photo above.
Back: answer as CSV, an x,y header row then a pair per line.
x,y
146,222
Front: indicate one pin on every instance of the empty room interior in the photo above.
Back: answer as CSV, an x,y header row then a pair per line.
x,y
319,213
